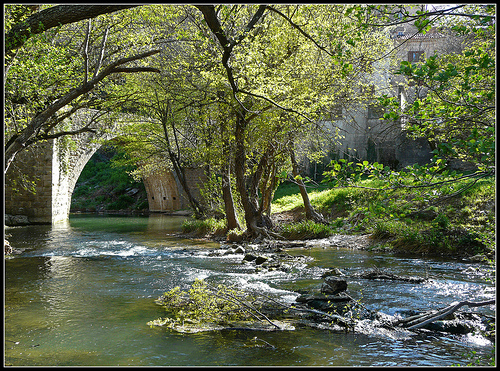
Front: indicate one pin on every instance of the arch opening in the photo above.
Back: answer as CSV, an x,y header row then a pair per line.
x,y
104,185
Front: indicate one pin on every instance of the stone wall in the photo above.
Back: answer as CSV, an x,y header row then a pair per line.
x,y
363,135
33,205
162,192
165,192
53,168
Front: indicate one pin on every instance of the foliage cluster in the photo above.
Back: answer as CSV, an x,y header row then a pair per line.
x,y
205,227
306,229
204,306
435,220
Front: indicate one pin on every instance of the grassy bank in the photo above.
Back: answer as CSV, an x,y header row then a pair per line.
x,y
428,221
439,221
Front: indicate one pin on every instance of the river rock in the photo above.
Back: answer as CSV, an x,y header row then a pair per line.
x,y
324,302
479,258
452,327
249,257
229,251
239,250
234,250
260,259
332,272
333,285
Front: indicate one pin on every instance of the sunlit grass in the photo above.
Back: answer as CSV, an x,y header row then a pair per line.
x,y
209,226
422,220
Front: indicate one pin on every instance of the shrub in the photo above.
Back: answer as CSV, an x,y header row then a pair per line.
x,y
204,227
203,306
305,229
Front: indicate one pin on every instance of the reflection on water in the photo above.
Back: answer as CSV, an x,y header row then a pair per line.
x,y
81,294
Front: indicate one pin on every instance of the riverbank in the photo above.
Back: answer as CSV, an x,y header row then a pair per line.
x,y
470,250
456,219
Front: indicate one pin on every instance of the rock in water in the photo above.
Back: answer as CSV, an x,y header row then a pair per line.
x,y
333,285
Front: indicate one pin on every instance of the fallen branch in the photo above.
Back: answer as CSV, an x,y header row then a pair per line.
x,y
345,321
423,319
248,308
377,274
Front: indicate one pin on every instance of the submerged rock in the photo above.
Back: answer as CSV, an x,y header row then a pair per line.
x,y
249,257
377,274
324,302
260,260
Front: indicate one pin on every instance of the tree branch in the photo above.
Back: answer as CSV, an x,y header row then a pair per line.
x,y
20,140
86,52
297,27
101,56
276,104
446,311
53,17
135,69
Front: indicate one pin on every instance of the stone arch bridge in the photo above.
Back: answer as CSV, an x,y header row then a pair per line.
x,y
53,167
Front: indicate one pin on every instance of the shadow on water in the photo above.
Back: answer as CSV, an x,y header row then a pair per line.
x,y
81,294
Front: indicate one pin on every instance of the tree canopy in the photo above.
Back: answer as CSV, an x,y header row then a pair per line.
x,y
243,90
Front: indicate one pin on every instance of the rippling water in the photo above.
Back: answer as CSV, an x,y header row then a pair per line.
x,y
82,293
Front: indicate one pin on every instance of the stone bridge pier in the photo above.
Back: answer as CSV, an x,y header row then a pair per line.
x,y
51,170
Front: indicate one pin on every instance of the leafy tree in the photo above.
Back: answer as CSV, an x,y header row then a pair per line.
x,y
280,75
455,111
51,76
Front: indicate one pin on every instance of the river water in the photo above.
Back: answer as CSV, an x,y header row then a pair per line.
x,y
80,294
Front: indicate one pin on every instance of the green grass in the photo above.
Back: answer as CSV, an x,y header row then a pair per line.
x,y
406,219
205,227
305,229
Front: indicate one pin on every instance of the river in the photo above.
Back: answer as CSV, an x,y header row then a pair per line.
x,y
80,294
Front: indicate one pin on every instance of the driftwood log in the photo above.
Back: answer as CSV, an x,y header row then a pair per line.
x,y
376,274
420,320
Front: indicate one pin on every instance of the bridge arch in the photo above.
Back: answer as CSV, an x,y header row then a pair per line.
x,y
53,168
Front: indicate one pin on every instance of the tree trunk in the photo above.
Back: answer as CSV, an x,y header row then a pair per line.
x,y
267,190
227,196
198,209
423,319
227,193
257,224
251,213
311,214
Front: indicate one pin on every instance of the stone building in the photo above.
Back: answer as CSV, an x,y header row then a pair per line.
x,y
363,135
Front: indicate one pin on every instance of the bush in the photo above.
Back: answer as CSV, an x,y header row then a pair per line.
x,y
204,306
210,226
305,229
